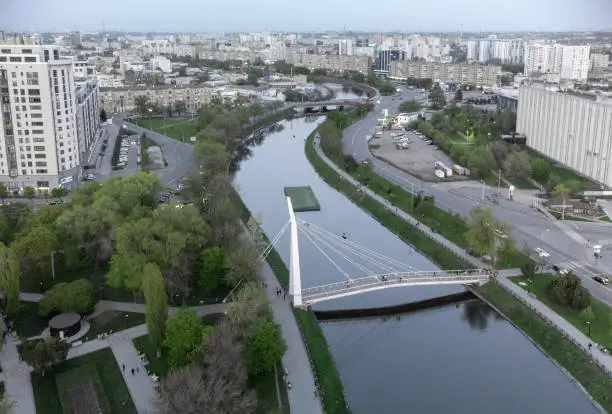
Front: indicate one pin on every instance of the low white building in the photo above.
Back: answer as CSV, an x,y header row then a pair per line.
x,y
574,130
162,63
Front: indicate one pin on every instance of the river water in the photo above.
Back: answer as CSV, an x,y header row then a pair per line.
x,y
457,359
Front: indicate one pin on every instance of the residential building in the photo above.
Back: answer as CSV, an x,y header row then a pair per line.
x,y
570,128
346,47
481,75
599,61
87,114
331,62
509,51
385,57
567,62
162,63
38,138
115,100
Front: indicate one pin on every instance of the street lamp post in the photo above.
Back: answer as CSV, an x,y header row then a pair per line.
x,y
53,264
588,324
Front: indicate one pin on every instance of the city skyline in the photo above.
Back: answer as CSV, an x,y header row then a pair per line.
x,y
359,15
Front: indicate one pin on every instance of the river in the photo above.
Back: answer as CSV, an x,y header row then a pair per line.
x,y
456,359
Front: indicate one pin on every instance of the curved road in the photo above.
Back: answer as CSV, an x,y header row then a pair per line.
x,y
568,243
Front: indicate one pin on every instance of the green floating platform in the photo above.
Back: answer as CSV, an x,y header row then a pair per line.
x,y
302,198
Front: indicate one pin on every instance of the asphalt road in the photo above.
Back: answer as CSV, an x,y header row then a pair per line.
x,y
568,243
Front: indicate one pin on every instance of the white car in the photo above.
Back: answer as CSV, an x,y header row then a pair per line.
x,y
501,234
541,252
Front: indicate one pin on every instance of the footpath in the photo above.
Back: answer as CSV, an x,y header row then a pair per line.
x,y
580,339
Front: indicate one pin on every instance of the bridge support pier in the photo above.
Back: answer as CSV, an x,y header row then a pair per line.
x,y
295,278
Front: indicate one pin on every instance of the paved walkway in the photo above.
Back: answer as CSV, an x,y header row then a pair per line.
x,y
139,383
302,399
17,384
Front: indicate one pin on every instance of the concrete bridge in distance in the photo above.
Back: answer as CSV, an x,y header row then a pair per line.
x,y
331,102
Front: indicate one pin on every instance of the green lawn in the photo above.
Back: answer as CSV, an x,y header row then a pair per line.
x,y
601,320
565,174
114,321
46,393
597,383
158,366
558,216
267,399
69,380
27,322
606,218
179,129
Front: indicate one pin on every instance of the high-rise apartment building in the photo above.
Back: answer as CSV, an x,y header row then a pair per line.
x,y
346,47
39,142
385,57
509,51
568,62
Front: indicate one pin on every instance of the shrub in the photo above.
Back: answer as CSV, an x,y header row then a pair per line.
x,y
567,290
77,296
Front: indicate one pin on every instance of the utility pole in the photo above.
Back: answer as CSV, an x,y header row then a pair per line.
x,y
412,199
483,191
499,181
563,211
53,264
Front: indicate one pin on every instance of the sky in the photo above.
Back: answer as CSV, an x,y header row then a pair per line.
x,y
206,16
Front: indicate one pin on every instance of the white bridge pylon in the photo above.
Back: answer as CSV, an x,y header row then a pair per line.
x,y
370,270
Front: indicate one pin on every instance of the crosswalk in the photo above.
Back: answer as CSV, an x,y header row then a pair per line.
x,y
573,266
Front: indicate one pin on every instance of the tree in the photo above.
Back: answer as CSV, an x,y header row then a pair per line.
x,y
29,193
243,261
567,290
4,192
517,165
540,170
77,296
459,95
221,386
481,234
180,107
142,104
59,192
183,337
103,116
437,97
214,266
9,279
43,355
481,162
528,269
34,249
249,305
154,291
410,106
562,191
265,348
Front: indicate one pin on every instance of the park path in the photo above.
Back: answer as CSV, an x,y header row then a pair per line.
x,y
17,385
139,383
302,397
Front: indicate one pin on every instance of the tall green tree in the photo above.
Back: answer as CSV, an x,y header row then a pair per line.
x,y
76,296
265,348
437,97
29,193
142,105
9,278
154,291
34,249
180,107
481,234
184,336
212,272
44,355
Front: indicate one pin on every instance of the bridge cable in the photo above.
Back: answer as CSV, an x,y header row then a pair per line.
x,y
396,264
357,246
272,243
327,244
354,261
387,268
346,275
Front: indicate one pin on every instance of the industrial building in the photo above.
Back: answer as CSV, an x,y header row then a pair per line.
x,y
572,129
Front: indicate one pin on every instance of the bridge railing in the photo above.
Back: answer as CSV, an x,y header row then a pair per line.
x,y
395,279
400,275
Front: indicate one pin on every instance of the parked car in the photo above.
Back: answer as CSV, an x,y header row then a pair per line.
x,y
601,279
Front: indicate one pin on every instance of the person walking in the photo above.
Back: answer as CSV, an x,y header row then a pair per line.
x,y
123,366
132,371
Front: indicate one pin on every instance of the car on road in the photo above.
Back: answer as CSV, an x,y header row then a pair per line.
x,y
601,279
541,252
501,234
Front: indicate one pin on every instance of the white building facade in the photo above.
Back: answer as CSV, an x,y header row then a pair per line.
x,y
568,62
573,130
38,138
88,115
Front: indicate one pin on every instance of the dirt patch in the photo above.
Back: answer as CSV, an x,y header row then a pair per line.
x,y
155,157
418,159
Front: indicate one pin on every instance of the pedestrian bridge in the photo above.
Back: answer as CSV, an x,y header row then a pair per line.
x,y
371,271
332,102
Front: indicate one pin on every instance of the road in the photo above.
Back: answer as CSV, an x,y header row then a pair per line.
x,y
569,243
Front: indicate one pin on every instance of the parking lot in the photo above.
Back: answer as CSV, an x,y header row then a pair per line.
x,y
414,155
130,154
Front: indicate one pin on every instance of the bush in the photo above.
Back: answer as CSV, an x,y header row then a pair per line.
x,y
77,296
567,290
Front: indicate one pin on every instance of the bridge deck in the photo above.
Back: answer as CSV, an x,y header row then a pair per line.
x,y
378,282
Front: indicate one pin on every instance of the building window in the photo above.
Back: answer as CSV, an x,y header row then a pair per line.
x,y
26,51
30,59
39,156
2,58
6,51
55,54
14,58
41,164
39,148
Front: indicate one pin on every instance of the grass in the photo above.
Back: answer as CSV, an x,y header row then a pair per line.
x,y
606,218
597,383
158,366
179,129
47,397
601,318
324,366
564,174
145,144
267,398
114,321
558,216
78,377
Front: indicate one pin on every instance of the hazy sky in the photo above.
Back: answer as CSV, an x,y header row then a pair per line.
x,y
288,15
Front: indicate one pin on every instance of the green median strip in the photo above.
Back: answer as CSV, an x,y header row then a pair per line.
x,y
573,359
325,370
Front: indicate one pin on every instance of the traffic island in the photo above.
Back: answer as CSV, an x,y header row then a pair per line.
x,y
302,199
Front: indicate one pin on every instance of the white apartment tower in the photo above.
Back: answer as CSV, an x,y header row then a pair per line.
x,y
38,137
569,62
346,47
